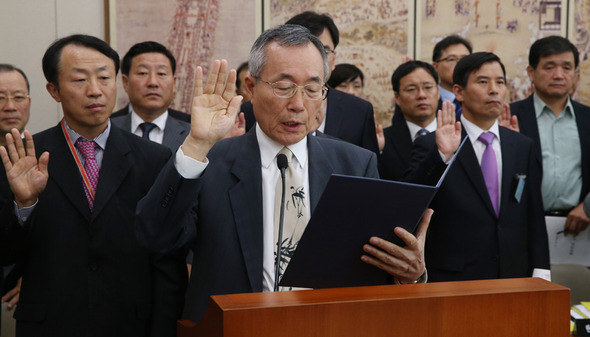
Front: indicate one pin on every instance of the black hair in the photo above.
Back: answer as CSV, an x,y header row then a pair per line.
x,y
6,68
316,23
53,54
406,68
551,45
471,63
345,72
143,48
448,41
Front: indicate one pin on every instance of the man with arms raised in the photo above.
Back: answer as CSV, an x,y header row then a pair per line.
x,y
73,213
234,235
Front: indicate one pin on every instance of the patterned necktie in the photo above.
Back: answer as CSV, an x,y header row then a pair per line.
x,y
458,108
420,133
90,166
489,168
295,216
146,128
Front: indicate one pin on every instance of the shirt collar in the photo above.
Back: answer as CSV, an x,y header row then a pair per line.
x,y
136,120
446,95
541,107
474,131
100,140
269,149
415,128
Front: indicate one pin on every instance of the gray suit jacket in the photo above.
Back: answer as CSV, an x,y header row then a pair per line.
x,y
175,130
220,214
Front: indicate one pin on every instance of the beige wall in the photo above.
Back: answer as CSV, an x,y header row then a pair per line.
x,y
28,27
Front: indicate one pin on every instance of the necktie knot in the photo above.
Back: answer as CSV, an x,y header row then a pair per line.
x,y
146,128
487,138
285,150
421,132
86,147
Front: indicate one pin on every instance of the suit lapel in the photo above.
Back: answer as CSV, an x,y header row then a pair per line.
x,y
174,134
64,171
469,163
528,125
320,171
115,166
509,158
402,140
583,121
333,123
247,207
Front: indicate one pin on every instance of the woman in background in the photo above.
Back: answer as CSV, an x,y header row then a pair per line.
x,y
348,78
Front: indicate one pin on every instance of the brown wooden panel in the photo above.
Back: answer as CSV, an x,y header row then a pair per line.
x,y
510,307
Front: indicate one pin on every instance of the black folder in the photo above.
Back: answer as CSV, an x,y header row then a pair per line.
x,y
350,211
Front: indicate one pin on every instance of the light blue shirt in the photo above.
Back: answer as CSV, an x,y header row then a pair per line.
x,y
562,156
446,95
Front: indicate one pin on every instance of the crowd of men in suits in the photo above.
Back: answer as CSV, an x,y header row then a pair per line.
x,y
99,218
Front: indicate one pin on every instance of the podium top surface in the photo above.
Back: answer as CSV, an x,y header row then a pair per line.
x,y
376,293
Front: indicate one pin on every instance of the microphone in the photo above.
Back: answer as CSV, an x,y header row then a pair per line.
x,y
282,164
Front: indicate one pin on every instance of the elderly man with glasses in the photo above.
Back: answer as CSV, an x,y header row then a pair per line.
x,y
227,212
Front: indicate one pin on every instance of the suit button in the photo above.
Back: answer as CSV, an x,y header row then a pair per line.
x,y
94,266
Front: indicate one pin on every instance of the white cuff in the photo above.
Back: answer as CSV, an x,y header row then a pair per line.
x,y
188,167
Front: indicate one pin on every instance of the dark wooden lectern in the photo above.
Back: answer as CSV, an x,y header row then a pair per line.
x,y
506,308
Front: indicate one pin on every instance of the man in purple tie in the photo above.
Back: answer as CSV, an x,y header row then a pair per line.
x,y
488,217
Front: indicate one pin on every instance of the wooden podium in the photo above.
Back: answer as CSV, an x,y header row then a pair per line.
x,y
506,308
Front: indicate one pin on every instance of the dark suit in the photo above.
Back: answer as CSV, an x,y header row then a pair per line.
x,y
527,121
397,152
466,240
173,113
227,238
348,118
85,274
396,155
175,130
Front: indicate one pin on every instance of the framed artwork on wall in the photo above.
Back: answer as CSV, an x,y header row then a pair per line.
x,y
196,32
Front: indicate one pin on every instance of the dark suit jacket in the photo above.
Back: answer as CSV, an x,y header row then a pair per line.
x,y
396,155
527,121
466,240
348,118
173,113
85,274
227,200
175,130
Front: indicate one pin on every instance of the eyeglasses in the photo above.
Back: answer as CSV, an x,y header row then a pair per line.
x,y
286,89
451,59
328,50
17,99
428,88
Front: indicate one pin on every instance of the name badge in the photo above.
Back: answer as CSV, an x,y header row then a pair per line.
x,y
519,187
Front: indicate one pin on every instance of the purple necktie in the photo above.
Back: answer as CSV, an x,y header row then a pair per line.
x,y
90,166
489,168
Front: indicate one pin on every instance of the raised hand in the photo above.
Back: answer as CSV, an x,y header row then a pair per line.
x,y
213,111
26,175
448,130
507,120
